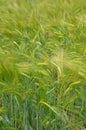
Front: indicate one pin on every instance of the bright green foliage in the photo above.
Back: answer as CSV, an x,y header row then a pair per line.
x,y
42,65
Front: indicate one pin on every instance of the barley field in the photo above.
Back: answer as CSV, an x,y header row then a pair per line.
x,y
43,65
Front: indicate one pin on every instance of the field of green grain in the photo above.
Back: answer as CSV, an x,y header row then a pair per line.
x,y
42,64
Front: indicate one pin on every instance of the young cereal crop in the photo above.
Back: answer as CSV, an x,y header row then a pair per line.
x,y
42,65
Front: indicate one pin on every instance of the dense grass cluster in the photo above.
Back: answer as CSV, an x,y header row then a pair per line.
x,y
42,65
